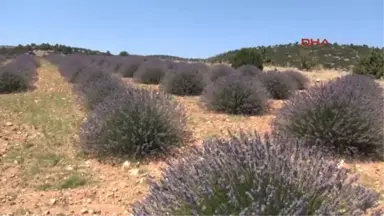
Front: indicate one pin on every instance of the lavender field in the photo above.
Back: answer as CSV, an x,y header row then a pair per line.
x,y
135,135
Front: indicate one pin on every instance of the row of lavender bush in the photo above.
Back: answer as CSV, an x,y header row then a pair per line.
x,y
19,74
122,120
286,173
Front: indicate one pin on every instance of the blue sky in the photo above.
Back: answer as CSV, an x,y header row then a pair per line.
x,y
188,28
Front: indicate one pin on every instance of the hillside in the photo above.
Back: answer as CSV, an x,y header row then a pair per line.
x,y
174,58
334,56
57,48
294,55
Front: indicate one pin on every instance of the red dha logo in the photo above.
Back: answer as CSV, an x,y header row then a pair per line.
x,y
311,42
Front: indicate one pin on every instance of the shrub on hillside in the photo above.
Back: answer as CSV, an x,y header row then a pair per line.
x,y
301,80
279,84
344,115
220,70
247,57
249,70
247,175
371,65
150,72
305,63
184,79
134,123
236,94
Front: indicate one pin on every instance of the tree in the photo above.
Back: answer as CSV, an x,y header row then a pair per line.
x,y
123,53
247,57
371,65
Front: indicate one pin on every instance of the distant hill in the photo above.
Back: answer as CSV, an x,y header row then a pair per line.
x,y
169,57
46,48
292,55
296,55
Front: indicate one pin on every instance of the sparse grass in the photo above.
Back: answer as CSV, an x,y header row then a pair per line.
x,y
322,75
53,119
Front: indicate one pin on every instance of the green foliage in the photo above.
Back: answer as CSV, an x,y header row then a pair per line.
x,y
18,75
306,63
123,53
56,48
134,123
344,115
247,57
290,55
12,82
371,65
236,94
279,84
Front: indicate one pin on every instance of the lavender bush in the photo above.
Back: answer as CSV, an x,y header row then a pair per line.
x,y
184,79
236,94
129,69
346,115
150,72
134,123
18,75
219,71
90,82
249,70
301,80
247,175
278,84
89,74
94,92
70,67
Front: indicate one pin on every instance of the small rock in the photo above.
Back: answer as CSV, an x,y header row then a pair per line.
x,y
89,201
47,212
8,124
134,172
88,163
91,211
69,168
53,201
318,80
16,162
340,164
84,211
126,165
